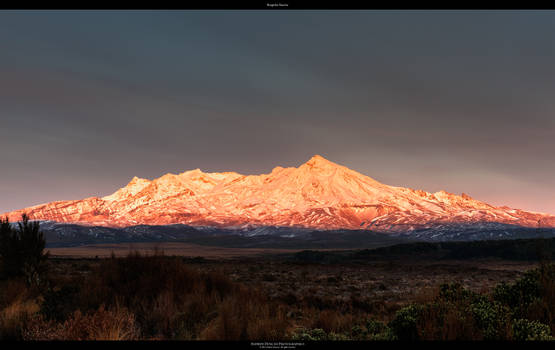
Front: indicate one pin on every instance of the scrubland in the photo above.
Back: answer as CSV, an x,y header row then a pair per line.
x,y
159,297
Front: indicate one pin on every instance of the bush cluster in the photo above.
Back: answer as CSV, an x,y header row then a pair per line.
x,y
22,250
520,311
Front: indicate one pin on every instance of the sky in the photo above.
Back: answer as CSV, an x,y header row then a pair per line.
x,y
461,101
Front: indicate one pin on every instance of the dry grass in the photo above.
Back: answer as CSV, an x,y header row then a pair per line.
x,y
247,316
333,321
115,324
165,299
14,317
12,289
440,323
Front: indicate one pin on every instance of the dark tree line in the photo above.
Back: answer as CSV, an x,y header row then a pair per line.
x,y
22,249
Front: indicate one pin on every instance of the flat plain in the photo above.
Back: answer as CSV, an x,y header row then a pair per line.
x,y
168,248
379,286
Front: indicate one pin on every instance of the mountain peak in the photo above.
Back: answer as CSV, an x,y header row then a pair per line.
x,y
133,187
136,180
319,161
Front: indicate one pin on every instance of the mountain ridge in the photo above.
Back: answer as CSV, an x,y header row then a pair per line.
x,y
319,194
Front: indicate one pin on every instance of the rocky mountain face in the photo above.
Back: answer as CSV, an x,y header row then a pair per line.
x,y
319,194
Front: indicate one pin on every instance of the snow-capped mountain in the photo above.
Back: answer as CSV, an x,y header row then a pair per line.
x,y
319,194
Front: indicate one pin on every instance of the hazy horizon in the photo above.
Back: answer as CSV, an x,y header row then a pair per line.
x,y
434,100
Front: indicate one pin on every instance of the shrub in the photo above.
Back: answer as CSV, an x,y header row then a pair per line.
x,y
337,336
492,319
22,250
9,248
374,326
521,293
455,293
439,320
532,296
373,330
357,332
530,330
316,334
404,325
517,296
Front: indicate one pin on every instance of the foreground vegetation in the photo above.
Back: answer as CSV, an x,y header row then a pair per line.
x,y
160,297
163,297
